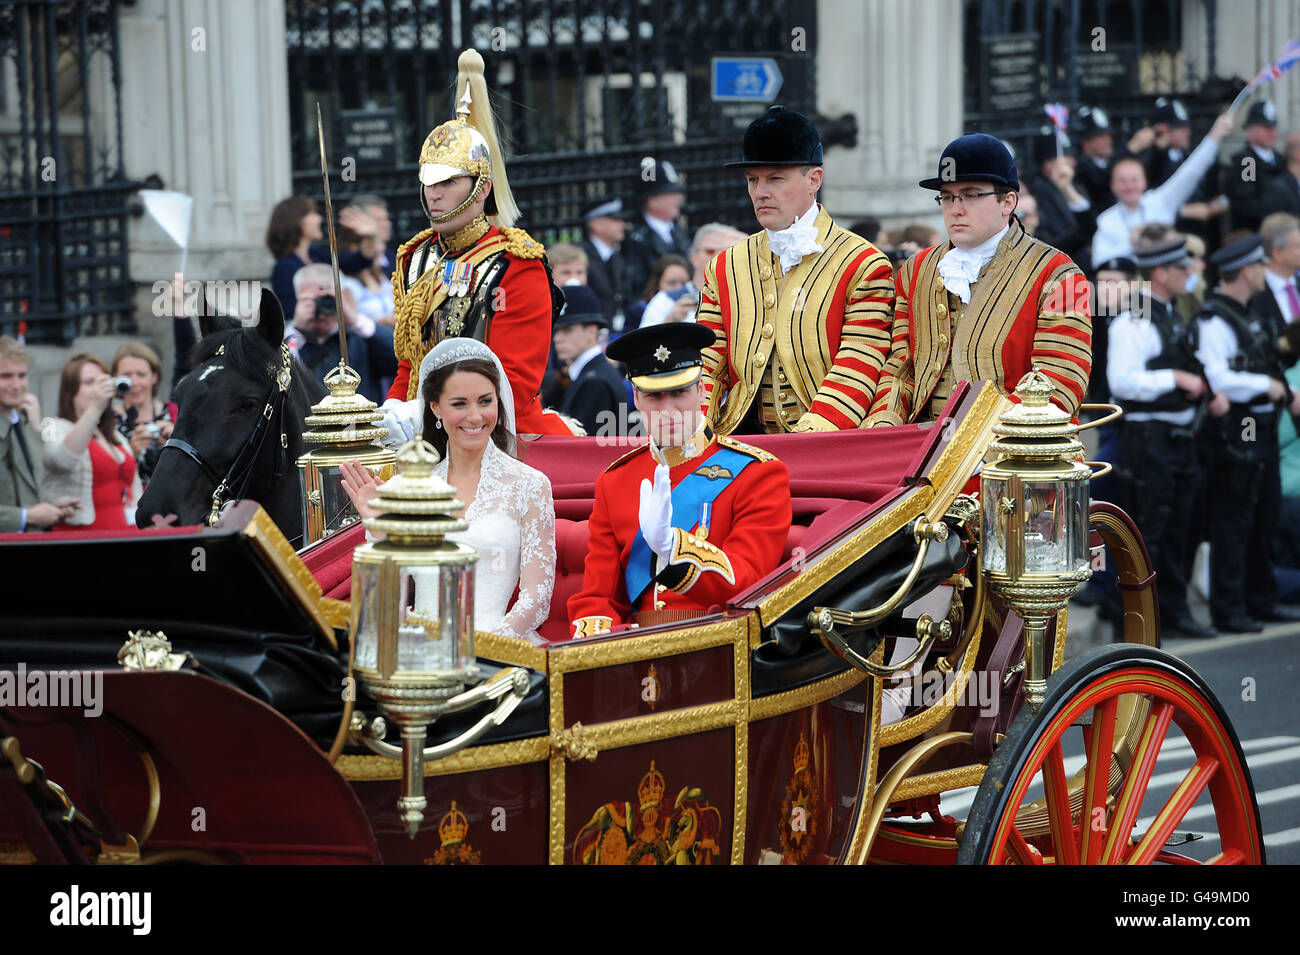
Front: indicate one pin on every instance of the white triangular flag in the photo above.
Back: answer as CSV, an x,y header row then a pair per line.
x,y
172,211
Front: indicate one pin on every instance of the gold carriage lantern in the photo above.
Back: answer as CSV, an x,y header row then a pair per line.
x,y
343,425
413,624
1034,496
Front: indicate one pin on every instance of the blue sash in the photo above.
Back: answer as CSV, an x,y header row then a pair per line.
x,y
688,497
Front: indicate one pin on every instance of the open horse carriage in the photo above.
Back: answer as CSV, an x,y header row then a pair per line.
x,y
752,734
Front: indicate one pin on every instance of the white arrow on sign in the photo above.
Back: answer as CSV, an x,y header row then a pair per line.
x,y
774,79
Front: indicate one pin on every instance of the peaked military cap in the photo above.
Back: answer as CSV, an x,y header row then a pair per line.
x,y
657,177
1090,121
780,137
1169,252
663,357
610,206
1239,254
1121,263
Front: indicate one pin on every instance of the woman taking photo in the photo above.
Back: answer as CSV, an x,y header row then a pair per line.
x,y
294,229
85,457
144,421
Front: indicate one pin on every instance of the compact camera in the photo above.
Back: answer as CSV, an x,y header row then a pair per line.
x,y
326,305
121,386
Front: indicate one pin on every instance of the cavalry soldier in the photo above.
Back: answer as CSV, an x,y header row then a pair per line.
x,y
687,521
801,308
991,303
471,274
1239,352
1153,371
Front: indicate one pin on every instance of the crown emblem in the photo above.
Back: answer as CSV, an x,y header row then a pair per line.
x,y
651,790
453,827
661,353
801,754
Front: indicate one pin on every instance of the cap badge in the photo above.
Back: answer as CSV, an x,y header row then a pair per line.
x,y
661,353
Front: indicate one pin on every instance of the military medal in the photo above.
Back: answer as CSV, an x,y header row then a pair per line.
x,y
706,511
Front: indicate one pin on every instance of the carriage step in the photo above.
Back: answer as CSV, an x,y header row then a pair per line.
x,y
1175,839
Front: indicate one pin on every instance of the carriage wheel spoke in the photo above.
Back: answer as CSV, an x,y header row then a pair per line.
x,y
1135,784
1024,853
1172,812
1098,740
1057,791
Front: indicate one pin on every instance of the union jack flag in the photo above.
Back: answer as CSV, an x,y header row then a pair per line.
x,y
1288,58
1059,114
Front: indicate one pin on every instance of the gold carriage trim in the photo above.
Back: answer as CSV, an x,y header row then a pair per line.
x,y
702,556
591,626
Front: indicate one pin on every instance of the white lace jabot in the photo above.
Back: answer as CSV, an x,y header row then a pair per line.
x,y
800,239
961,267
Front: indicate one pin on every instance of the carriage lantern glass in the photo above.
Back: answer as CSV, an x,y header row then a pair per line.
x,y
413,609
344,427
1034,498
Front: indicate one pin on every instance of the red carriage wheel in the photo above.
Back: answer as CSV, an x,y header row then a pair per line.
x,y
1094,818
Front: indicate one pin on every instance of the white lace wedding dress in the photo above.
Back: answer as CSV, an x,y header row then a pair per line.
x,y
512,526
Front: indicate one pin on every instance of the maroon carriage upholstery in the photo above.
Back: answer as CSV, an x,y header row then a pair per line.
x,y
837,479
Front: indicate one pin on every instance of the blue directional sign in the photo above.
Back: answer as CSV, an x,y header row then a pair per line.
x,y
745,79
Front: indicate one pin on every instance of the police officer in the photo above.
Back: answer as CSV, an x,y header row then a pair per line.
x,y
1253,179
1092,131
1153,372
1241,361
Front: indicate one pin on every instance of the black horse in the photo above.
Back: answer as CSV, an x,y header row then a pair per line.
x,y
239,433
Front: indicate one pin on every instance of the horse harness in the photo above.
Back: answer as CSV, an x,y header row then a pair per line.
x,y
240,473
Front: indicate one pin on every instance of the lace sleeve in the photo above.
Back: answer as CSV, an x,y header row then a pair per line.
x,y
536,561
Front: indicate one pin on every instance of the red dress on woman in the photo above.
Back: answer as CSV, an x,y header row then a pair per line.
x,y
110,491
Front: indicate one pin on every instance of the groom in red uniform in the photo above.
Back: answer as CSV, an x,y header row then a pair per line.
x,y
689,520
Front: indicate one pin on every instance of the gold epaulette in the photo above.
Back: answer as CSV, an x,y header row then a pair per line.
x,y
522,245
757,453
620,461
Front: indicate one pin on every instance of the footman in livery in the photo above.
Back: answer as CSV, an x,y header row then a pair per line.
x,y
471,273
687,521
992,303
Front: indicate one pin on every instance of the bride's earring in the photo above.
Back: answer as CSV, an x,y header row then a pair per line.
x,y
437,423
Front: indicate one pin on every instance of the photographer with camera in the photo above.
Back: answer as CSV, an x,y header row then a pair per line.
x,y
85,457
142,419
313,333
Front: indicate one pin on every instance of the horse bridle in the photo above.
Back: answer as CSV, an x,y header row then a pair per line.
x,y
237,478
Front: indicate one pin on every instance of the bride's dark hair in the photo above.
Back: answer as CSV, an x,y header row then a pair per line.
x,y
432,391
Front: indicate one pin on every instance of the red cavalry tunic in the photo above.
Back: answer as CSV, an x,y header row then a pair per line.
x,y
514,301
748,525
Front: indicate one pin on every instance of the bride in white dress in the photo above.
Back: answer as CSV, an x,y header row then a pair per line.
x,y
467,413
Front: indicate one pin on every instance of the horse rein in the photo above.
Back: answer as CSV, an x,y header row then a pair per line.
x,y
240,472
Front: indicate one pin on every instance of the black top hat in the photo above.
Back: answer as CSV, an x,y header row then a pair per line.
x,y
780,137
1171,112
1168,252
1090,121
657,177
663,357
1261,113
975,157
581,307
610,206
1239,254
1046,145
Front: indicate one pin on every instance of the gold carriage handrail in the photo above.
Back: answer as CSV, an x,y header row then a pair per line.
x,y
854,620
1115,412
829,624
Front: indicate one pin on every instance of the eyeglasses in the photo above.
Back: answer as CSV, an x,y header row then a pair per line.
x,y
947,199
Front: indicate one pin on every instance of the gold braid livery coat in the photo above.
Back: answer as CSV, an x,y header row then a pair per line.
x,y
1029,308
824,325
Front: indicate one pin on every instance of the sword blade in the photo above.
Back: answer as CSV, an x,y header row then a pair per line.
x,y
334,248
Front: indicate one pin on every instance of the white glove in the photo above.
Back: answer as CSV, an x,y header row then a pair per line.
x,y
656,513
402,419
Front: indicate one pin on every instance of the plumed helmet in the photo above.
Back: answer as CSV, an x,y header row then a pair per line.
x,y
467,146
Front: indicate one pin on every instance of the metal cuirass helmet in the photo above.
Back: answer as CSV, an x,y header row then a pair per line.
x,y
456,149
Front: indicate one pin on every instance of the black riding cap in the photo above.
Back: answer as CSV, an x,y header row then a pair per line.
x,y
780,137
663,357
975,157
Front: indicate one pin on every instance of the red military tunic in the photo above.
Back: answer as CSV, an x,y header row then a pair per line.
x,y
512,296
748,526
